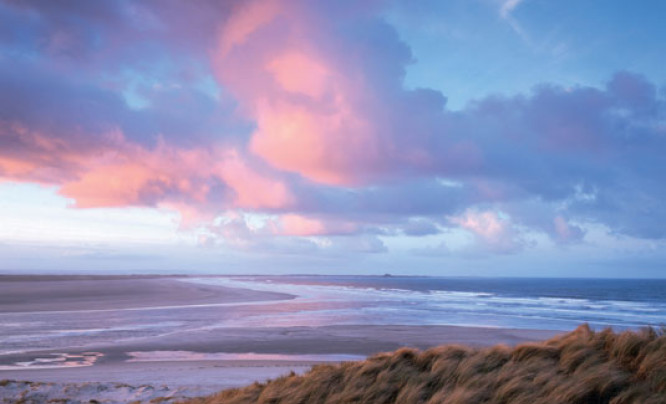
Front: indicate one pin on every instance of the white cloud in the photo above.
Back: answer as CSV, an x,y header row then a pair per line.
x,y
506,9
508,6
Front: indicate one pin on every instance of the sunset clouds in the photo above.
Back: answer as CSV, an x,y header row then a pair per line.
x,y
288,125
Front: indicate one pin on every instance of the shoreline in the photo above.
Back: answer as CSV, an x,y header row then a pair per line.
x,y
113,368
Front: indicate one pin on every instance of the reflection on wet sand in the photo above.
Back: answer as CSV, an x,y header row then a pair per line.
x,y
57,360
163,356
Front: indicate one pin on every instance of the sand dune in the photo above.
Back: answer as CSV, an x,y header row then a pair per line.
x,y
579,367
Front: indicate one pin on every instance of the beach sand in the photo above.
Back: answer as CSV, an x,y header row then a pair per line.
x,y
66,293
197,371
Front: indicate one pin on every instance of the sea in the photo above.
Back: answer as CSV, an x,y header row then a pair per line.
x,y
522,303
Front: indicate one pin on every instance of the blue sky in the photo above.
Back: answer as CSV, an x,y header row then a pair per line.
x,y
469,49
476,138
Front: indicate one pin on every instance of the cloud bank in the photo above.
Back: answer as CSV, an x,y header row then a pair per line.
x,y
288,123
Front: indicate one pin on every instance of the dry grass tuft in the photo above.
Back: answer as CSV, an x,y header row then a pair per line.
x,y
582,366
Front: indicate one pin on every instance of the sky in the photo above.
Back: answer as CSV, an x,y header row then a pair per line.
x,y
452,138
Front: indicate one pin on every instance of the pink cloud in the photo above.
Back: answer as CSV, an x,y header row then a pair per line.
x,y
116,172
253,190
311,105
299,73
246,19
291,233
36,156
492,231
323,147
298,225
131,175
566,232
173,176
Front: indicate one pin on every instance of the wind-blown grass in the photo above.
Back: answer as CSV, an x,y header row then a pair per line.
x,y
582,366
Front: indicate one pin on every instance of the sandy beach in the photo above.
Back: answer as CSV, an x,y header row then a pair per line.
x,y
72,293
184,361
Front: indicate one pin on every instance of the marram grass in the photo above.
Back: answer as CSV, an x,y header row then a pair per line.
x,y
582,366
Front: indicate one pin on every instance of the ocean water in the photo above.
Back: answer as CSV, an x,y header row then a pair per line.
x,y
550,304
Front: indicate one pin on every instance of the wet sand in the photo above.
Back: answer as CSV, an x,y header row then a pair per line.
x,y
195,376
143,381
71,293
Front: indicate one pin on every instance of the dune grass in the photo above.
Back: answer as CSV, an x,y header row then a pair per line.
x,y
582,366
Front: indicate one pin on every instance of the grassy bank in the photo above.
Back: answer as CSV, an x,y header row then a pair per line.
x,y
582,366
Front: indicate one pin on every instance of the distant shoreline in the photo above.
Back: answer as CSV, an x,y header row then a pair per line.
x,y
49,275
